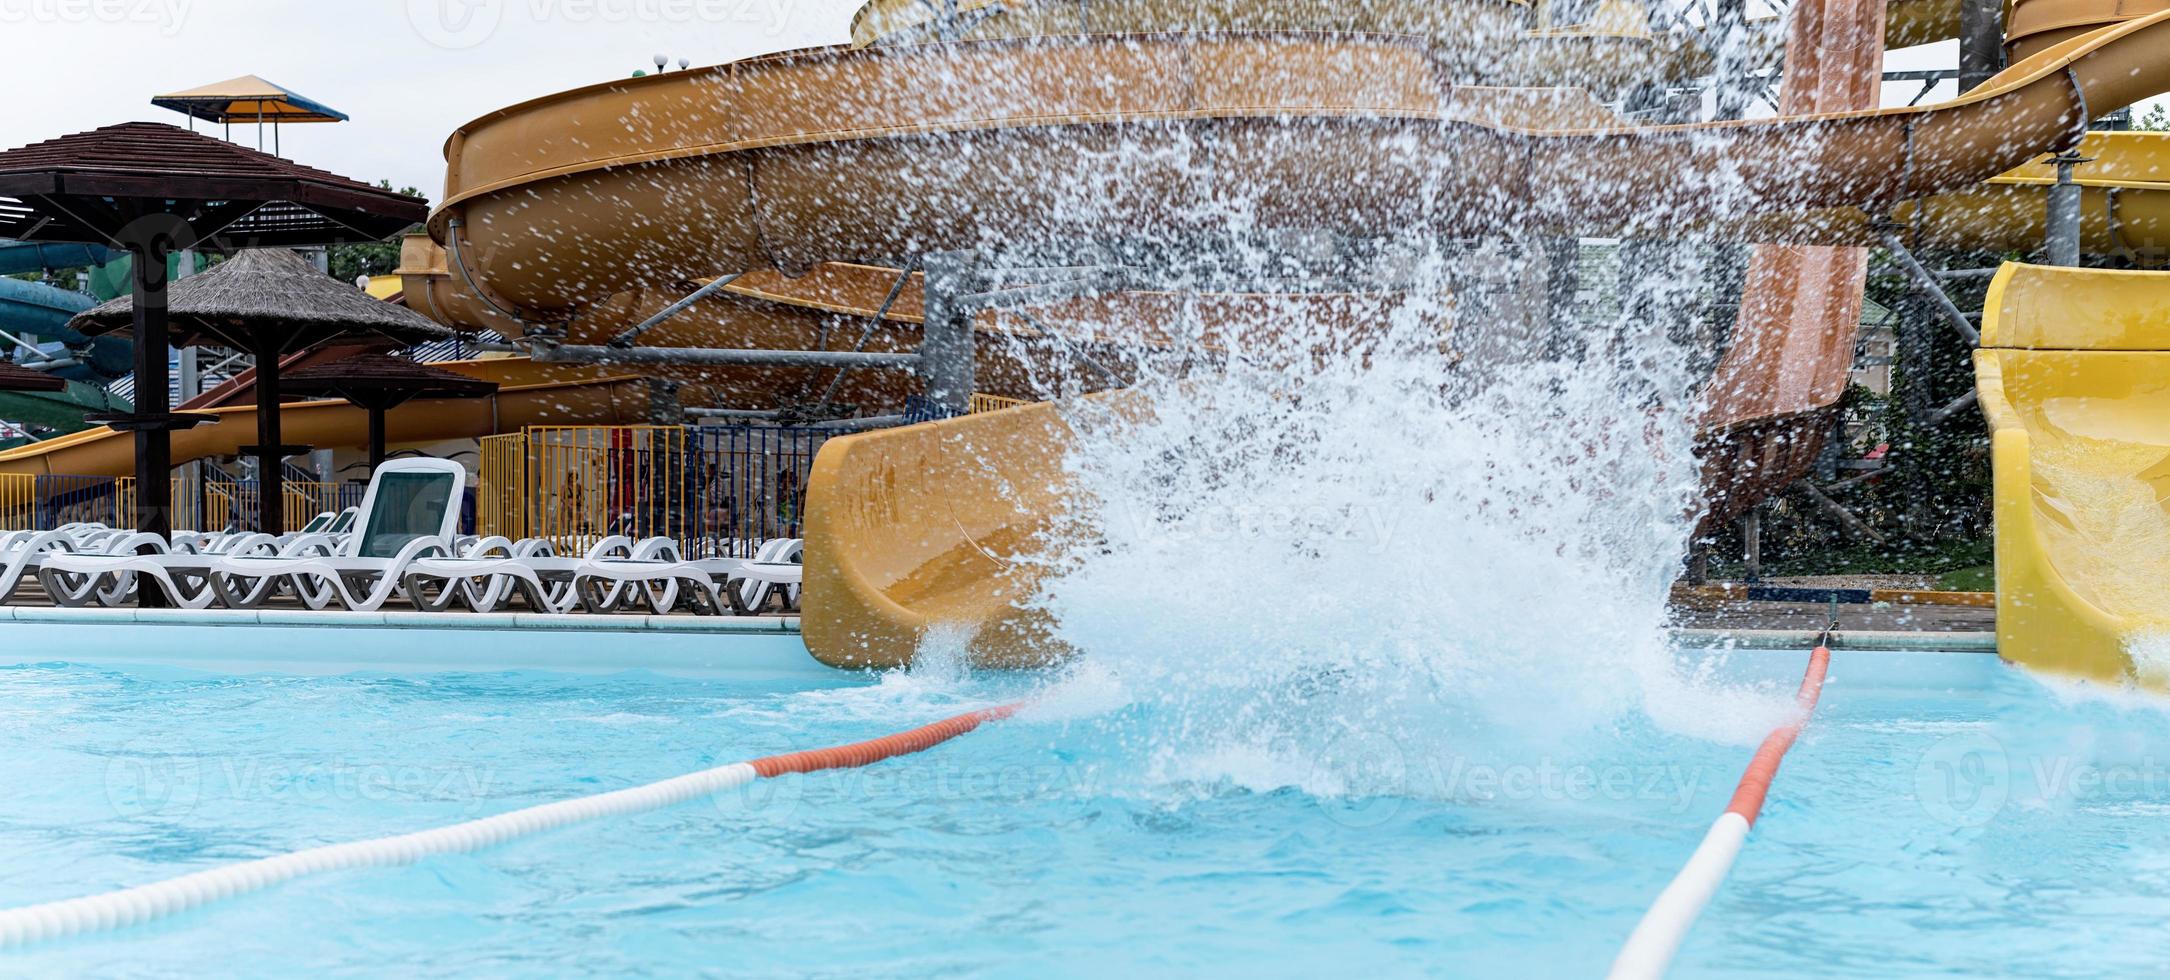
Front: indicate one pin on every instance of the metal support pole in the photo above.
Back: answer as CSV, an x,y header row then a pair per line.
x,y
946,356
579,354
2063,245
190,475
1926,284
1981,41
1959,404
1752,537
714,286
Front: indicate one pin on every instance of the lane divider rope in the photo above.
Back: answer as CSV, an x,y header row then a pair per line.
x,y
143,903
1650,948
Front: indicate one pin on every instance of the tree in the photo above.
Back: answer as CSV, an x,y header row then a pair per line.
x,y
350,262
2156,118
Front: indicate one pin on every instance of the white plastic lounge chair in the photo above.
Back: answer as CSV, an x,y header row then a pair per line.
x,y
183,575
22,553
490,577
652,579
775,571
411,511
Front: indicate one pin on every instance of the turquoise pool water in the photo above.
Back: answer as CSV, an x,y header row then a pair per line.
x,y
1937,819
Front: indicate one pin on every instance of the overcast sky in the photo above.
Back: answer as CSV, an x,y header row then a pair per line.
x,y
408,71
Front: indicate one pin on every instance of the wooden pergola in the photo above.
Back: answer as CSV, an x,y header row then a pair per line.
x,y
378,383
14,378
153,189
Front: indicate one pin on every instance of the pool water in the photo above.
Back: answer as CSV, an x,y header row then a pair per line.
x,y
1942,816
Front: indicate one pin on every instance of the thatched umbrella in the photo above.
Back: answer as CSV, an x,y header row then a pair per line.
x,y
153,189
13,378
379,383
269,302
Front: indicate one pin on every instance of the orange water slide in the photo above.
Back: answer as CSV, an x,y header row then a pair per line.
x,y
1793,342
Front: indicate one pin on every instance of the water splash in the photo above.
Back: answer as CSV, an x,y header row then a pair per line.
x,y
1322,556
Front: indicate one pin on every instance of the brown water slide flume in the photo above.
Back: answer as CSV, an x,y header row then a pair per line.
x,y
794,160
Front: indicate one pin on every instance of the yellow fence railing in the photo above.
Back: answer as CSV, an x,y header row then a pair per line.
x,y
575,485
501,490
234,504
18,501
717,490
42,503
995,403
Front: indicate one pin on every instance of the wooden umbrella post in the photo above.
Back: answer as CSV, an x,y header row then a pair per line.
x,y
270,451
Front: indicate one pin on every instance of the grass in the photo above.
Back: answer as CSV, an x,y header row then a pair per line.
x,y
1979,578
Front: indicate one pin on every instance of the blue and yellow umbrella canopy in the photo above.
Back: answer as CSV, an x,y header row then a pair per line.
x,y
248,99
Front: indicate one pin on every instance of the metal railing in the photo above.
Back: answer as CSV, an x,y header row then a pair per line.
x,y
233,504
750,483
42,503
995,403
718,490
575,485
501,494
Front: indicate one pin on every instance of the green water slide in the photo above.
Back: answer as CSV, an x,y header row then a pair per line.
x,y
29,309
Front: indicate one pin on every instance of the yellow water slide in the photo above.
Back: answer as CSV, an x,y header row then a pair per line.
x,y
533,394
2074,375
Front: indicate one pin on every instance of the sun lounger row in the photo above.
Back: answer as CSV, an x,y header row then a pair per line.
x,y
401,543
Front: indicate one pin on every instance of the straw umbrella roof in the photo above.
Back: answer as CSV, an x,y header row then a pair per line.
x,y
14,378
364,377
271,290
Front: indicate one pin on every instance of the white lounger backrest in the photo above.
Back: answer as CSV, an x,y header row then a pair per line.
x,y
407,499
317,524
344,522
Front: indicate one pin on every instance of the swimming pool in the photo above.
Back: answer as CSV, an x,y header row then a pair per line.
x,y
1942,815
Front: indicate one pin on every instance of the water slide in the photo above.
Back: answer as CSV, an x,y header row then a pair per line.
x,y
2074,375
798,161
29,308
533,394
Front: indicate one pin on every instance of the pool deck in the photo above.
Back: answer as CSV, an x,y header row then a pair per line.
x,y
399,620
